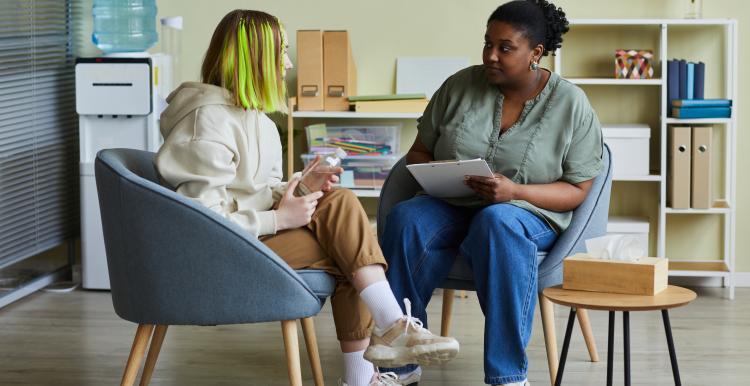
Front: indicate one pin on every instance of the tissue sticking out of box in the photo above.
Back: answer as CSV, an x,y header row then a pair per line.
x,y
615,247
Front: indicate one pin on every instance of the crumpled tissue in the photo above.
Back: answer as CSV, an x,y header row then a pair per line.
x,y
615,247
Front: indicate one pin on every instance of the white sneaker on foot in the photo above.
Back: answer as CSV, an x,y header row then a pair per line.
x,y
410,378
407,342
524,383
390,379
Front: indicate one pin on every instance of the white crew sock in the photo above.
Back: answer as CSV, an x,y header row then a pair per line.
x,y
358,371
382,304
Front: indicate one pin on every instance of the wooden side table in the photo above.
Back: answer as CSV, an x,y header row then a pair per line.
x,y
672,297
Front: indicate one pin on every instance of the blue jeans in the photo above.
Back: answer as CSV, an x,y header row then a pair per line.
x,y
423,237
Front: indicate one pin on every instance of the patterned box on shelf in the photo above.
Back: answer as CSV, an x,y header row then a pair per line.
x,y
633,64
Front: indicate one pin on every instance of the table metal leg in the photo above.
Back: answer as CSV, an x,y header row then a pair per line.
x,y
566,344
670,343
626,344
610,347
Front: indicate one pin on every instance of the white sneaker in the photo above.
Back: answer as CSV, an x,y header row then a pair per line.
x,y
385,379
524,383
390,379
410,378
407,342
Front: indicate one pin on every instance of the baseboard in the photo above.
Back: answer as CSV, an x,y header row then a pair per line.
x,y
741,279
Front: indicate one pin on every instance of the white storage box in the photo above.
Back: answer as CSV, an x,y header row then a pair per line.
x,y
360,140
363,171
631,226
630,149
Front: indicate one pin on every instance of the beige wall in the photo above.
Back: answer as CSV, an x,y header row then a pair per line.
x,y
382,30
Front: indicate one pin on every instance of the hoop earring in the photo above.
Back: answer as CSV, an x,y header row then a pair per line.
x,y
534,66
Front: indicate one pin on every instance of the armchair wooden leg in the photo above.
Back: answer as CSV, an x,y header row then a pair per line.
x,y
153,353
142,334
311,342
291,346
445,323
550,338
588,336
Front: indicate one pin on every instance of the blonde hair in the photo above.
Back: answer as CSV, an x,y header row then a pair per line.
x,y
246,57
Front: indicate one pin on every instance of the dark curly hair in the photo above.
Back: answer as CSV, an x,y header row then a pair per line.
x,y
539,20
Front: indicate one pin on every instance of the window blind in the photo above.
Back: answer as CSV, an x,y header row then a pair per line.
x,y
38,128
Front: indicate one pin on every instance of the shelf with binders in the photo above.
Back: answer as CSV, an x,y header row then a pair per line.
x,y
699,239
699,179
700,68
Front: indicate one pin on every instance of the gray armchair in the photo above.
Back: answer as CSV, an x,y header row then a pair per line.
x,y
174,262
589,220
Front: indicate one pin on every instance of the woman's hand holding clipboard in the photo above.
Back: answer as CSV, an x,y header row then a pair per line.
x,y
445,179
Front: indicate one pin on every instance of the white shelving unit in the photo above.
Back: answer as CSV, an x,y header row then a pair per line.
x,y
724,206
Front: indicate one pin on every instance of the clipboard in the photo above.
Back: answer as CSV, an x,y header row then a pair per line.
x,y
446,179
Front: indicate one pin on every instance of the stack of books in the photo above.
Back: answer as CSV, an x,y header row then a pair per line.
x,y
701,108
685,92
685,80
392,103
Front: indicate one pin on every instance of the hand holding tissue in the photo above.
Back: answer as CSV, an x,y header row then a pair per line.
x,y
615,264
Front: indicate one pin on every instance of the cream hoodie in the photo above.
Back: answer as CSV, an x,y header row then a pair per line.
x,y
222,156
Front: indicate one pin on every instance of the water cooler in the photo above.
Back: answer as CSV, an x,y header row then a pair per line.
x,y
119,98
118,104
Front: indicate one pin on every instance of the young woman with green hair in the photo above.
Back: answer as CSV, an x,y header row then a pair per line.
x,y
221,150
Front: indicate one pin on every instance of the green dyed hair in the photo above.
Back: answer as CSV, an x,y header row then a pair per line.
x,y
246,57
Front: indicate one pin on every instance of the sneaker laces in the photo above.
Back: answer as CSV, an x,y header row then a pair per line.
x,y
410,320
386,379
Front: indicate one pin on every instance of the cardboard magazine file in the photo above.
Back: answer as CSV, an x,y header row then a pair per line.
x,y
679,149
646,276
310,70
339,72
701,180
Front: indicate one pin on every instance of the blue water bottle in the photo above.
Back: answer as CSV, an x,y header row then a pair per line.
x,y
124,25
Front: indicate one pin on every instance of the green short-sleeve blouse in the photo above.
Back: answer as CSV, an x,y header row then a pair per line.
x,y
557,137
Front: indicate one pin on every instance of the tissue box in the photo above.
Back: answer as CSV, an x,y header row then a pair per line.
x,y
647,276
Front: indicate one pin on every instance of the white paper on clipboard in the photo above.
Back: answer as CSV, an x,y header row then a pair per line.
x,y
446,179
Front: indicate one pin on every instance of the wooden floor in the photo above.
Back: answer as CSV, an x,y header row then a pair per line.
x,y
76,339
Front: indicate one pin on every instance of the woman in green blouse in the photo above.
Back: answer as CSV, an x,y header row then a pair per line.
x,y
543,141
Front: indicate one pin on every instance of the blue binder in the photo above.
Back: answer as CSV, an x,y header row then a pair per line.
x,y
701,112
700,78
683,79
673,80
690,80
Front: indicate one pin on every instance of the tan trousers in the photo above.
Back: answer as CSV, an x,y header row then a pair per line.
x,y
340,241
